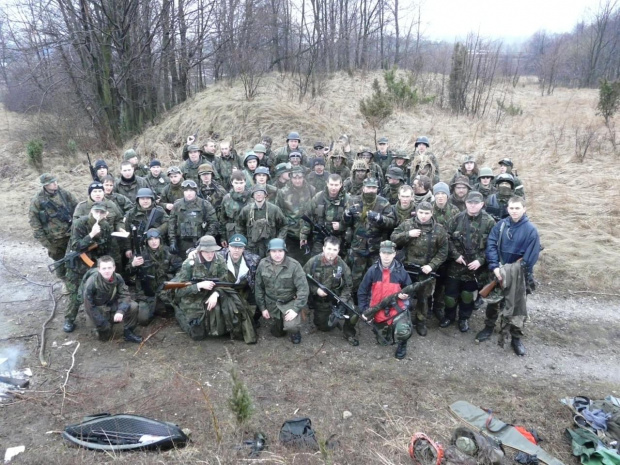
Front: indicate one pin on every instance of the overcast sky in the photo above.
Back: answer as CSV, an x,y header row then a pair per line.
x,y
511,19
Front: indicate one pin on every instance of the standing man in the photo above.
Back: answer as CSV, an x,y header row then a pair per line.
x,y
132,157
189,168
281,291
317,178
384,155
485,182
497,203
422,146
293,140
337,164
190,219
210,190
144,216
128,184
512,251
232,203
229,162
50,216
404,208
468,232
155,179
121,202
422,189
282,175
359,172
507,167
461,188
107,301
172,191
395,180
426,246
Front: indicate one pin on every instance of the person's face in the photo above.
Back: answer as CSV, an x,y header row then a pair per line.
x,y
369,190
225,150
367,157
319,151
236,252
503,169
260,155
175,178
267,144
460,190
252,164
97,195
207,256
421,148
277,255
330,251
145,202
441,199
405,199
298,179
485,181
154,242
360,174
206,178
106,269
473,208
516,211
127,171
108,187
261,178
393,181
155,170
337,161
189,194
194,155
238,185
418,188
259,196
424,216
99,215
101,172
295,161
134,161
387,258
469,166
319,169
400,161
284,177
333,187
293,144
383,148
210,147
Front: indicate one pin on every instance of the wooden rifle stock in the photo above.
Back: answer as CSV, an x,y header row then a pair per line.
x,y
486,290
180,285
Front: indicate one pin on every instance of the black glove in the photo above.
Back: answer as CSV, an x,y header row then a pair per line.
x,y
195,322
173,248
375,217
352,211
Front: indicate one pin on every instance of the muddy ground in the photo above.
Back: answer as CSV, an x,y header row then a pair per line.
x,y
572,350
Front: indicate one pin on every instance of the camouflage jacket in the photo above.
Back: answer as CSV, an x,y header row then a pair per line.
x,y
294,203
80,241
115,216
192,220
319,182
157,184
190,169
384,162
367,235
430,248
445,214
280,287
458,203
468,237
343,170
390,192
485,191
335,276
139,218
50,216
171,193
122,202
352,186
213,193
142,170
231,206
281,155
324,211
263,223
129,188
191,298
159,265
226,168
404,214
251,262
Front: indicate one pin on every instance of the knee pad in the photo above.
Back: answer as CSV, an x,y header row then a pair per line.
x,y
467,297
450,301
353,319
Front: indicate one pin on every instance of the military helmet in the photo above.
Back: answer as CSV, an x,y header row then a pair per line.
x,y
262,170
402,154
293,136
276,244
371,182
193,148
486,172
205,168
422,140
282,168
505,177
260,148
144,192
505,161
174,170
47,178
359,165
189,184
363,151
153,233
249,156
396,173
129,154
258,188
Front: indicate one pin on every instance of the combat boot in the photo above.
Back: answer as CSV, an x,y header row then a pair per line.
x,y
352,340
446,322
401,350
463,326
69,326
485,334
420,328
479,302
130,336
296,337
518,346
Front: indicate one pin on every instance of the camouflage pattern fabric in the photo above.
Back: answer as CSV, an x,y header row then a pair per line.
x,y
259,225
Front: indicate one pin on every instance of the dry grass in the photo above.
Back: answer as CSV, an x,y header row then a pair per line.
x,y
574,203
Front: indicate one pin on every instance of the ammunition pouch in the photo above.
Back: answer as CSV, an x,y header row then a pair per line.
x,y
261,230
189,230
44,217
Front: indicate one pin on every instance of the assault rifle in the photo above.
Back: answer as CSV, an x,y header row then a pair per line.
x,y
72,256
93,171
391,300
167,285
145,279
416,270
486,290
321,230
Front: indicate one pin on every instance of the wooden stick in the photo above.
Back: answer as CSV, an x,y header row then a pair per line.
x,y
64,385
593,292
150,335
50,318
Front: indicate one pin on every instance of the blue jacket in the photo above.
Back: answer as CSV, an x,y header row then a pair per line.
x,y
519,240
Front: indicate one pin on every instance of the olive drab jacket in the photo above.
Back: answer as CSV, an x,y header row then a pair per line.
x,y
192,220
324,211
80,241
51,216
430,248
468,238
280,287
231,206
366,235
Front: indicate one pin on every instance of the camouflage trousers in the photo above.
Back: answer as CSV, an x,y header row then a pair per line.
x,y
102,318
422,295
398,331
359,264
437,302
321,312
56,251
72,281
149,307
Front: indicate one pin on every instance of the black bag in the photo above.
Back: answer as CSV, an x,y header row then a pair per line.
x,y
298,432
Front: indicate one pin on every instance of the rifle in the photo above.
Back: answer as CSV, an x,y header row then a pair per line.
x,y
390,300
486,290
71,257
417,270
145,279
167,285
321,230
93,172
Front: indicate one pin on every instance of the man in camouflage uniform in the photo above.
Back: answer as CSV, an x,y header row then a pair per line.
x,y
384,156
460,188
370,218
468,233
331,271
386,277
259,221
337,164
507,167
229,162
404,208
190,219
189,168
144,216
261,177
50,217
374,169
92,231
173,191
497,203
232,204
128,183
317,178
395,180
205,309
155,179
296,161
294,201
154,265
426,247
422,190
208,153
401,160
281,175
422,146
107,301
281,291
293,140
485,183
359,172
139,169
208,189
326,209
468,169
261,152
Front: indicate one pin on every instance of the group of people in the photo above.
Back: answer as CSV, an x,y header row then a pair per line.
x,y
227,241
